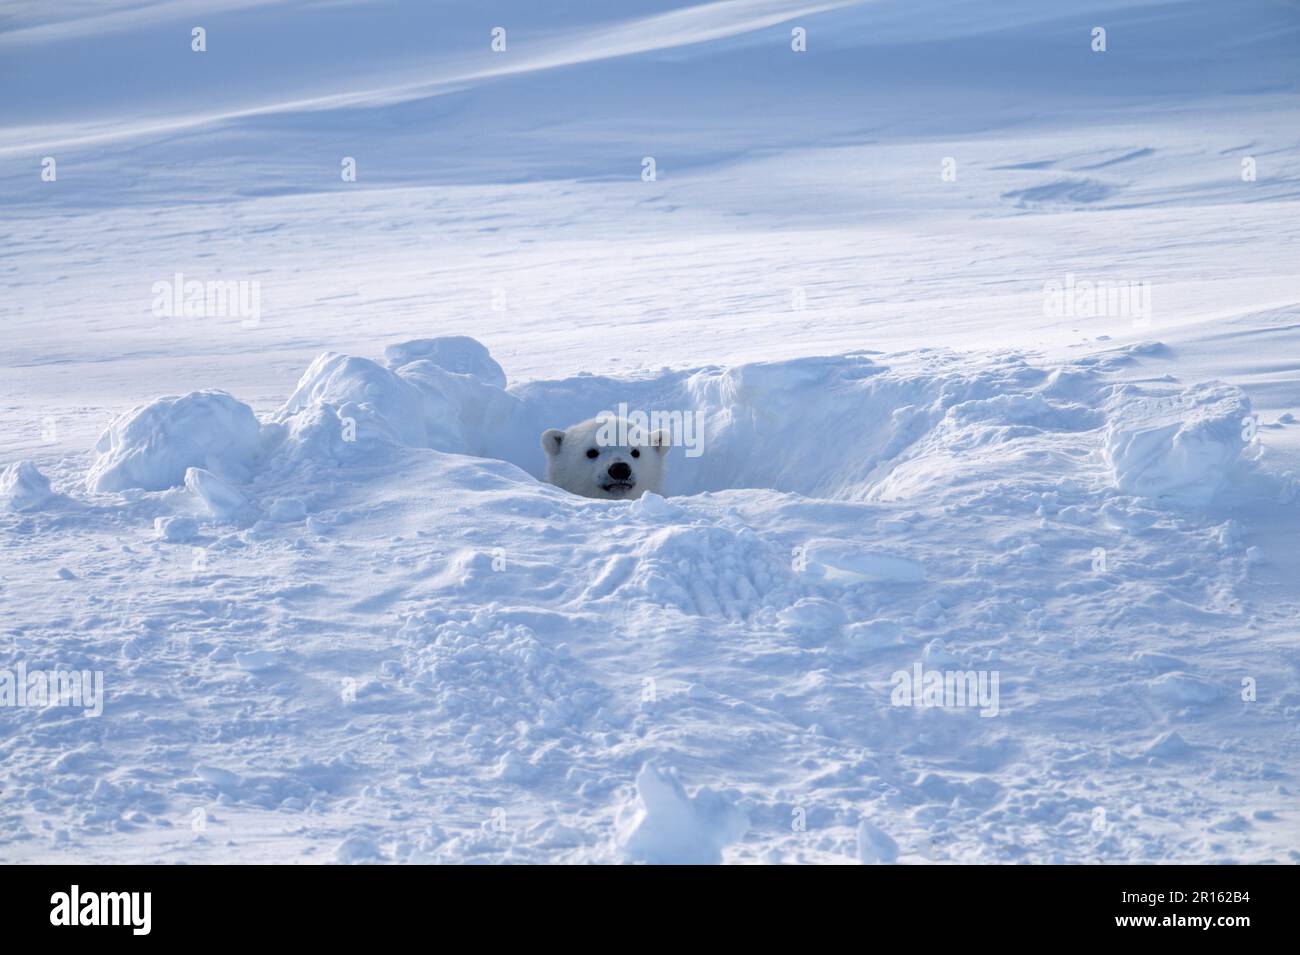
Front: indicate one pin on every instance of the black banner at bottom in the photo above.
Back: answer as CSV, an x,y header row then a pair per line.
x,y
341,904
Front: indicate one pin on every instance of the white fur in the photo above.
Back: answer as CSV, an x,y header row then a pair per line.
x,y
568,466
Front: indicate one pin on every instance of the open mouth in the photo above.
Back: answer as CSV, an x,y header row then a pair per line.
x,y
618,487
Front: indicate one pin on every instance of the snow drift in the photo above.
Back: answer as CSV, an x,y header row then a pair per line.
x,y
152,446
849,427
1181,447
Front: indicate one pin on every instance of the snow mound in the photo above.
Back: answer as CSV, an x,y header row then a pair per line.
x,y
1180,447
358,849
152,446
222,502
377,399
664,826
1183,689
420,404
23,487
458,354
851,428
176,529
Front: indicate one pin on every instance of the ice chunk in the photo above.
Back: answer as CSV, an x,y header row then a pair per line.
x,y
664,826
222,501
875,846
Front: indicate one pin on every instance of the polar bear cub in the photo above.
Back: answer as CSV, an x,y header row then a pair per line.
x,y
606,457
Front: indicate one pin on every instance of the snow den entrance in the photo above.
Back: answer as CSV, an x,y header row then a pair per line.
x,y
844,427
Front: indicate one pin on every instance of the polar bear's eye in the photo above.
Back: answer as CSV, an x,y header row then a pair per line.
x,y
592,452
636,453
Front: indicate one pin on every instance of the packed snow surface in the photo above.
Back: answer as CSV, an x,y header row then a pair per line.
x,y
950,565
389,563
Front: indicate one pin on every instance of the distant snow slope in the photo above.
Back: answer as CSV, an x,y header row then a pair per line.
x,y
339,617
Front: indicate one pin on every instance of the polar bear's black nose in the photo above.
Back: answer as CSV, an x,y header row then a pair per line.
x,y
620,471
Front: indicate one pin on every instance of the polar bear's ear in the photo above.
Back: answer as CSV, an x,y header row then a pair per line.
x,y
661,440
552,438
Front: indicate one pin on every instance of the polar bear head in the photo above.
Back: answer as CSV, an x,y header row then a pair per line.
x,y
607,458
